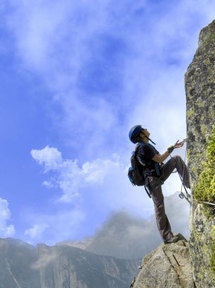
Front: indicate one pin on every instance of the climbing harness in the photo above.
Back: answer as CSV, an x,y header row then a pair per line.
x,y
183,196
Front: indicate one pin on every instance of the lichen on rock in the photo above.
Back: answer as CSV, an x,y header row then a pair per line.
x,y
200,93
201,243
200,96
205,188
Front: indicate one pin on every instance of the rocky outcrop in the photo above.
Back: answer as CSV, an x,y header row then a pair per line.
x,y
200,95
167,266
25,266
200,92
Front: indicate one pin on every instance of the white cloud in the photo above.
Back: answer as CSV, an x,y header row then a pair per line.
x,y
101,181
34,25
6,229
45,258
164,118
61,40
48,184
54,227
48,156
71,177
36,231
126,236
50,35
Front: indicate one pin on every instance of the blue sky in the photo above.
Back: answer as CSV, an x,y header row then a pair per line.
x,y
75,76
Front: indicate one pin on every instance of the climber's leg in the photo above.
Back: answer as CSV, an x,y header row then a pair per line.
x,y
161,218
178,163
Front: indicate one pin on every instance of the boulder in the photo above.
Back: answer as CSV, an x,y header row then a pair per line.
x,y
168,266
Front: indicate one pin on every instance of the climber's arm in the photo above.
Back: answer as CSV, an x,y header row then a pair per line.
x,y
159,158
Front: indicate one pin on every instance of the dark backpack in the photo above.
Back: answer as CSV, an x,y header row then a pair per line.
x,y
136,171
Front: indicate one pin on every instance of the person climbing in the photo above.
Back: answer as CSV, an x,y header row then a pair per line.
x,y
156,173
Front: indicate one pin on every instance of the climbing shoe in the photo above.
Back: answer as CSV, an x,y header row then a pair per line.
x,y
173,239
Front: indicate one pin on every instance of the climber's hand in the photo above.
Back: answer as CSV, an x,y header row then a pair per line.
x,y
178,144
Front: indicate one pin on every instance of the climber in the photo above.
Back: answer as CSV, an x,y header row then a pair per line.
x,y
155,173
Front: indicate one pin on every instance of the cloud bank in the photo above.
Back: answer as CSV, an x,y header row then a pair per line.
x,y
106,67
6,230
110,66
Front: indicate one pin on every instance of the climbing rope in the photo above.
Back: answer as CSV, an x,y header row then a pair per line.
x,y
205,202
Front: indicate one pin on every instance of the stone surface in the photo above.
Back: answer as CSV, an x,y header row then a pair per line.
x,y
201,242
200,95
200,92
168,266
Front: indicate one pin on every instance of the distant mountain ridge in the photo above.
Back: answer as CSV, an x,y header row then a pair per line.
x,y
108,259
25,266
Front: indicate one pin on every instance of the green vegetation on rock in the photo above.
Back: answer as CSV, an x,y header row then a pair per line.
x,y
205,188
205,191
200,100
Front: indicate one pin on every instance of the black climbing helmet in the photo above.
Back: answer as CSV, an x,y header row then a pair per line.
x,y
134,133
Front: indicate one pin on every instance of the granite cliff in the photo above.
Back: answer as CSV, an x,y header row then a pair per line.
x,y
192,264
200,91
168,266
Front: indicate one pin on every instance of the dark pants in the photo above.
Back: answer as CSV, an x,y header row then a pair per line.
x,y
154,187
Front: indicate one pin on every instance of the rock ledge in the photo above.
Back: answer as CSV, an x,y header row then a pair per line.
x,y
168,266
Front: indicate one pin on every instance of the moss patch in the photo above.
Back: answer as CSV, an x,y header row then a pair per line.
x,y
205,189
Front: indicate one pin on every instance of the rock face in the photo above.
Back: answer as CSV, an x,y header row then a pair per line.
x,y
168,266
25,266
200,92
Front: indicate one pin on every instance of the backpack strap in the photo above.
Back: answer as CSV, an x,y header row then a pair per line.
x,y
156,165
138,158
147,191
